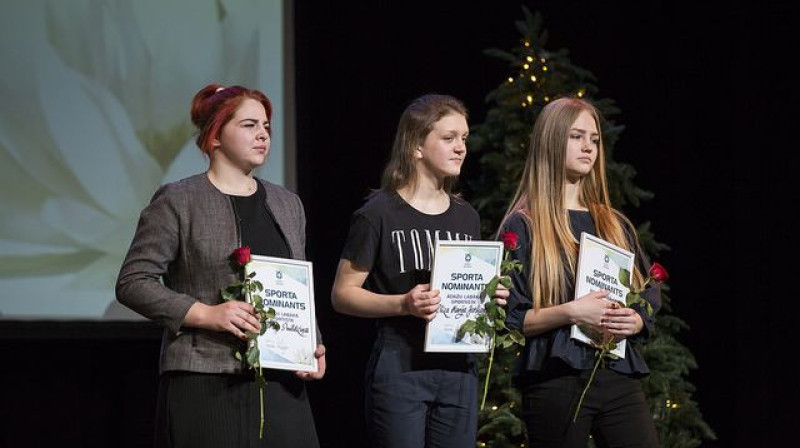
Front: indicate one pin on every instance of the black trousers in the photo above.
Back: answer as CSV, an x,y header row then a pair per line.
x,y
420,400
614,411
218,410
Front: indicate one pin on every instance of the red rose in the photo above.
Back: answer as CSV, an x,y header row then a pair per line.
x,y
241,255
510,240
658,273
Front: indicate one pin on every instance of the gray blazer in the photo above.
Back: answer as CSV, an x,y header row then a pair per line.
x,y
180,255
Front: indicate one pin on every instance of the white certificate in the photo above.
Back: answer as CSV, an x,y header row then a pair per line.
x,y
289,290
460,271
599,267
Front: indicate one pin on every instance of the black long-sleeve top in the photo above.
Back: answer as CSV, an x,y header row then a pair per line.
x,y
557,344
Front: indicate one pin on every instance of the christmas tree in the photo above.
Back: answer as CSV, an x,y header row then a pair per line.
x,y
500,143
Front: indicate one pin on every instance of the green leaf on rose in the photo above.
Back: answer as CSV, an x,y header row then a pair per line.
x,y
252,355
232,292
517,337
635,298
482,326
467,327
490,288
625,277
258,302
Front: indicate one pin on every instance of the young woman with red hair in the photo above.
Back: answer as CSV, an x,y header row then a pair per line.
x,y
178,262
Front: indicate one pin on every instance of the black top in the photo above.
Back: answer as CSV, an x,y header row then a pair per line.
x,y
258,227
541,349
261,233
395,242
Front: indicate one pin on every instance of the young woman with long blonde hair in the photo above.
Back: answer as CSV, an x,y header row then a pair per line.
x,y
563,192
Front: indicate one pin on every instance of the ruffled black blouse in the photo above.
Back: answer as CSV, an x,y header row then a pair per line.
x,y
556,344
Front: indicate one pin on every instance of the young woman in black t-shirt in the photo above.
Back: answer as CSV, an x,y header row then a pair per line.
x,y
563,192
413,399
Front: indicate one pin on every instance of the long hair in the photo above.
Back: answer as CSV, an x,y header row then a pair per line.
x,y
213,106
540,200
415,124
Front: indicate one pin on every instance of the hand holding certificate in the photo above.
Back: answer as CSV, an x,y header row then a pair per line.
x,y
289,290
485,326
602,265
461,270
293,348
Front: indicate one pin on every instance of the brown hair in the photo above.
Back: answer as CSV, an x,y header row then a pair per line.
x,y
415,124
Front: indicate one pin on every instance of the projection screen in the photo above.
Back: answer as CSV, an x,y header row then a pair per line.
x,y
94,97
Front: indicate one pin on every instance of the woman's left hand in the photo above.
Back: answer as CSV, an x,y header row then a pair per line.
x,y
320,355
501,295
622,322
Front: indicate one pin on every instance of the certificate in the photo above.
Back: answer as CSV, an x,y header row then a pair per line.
x,y
460,271
599,266
289,290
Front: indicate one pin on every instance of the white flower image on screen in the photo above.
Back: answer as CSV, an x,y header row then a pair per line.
x,y
95,116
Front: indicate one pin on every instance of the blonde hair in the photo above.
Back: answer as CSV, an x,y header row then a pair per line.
x,y
415,124
540,200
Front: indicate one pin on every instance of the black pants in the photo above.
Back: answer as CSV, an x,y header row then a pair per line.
x,y
614,411
216,410
420,400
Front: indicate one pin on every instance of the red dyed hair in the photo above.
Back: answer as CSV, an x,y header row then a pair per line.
x,y
214,105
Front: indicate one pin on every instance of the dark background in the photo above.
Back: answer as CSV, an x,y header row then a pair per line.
x,y
706,97
704,92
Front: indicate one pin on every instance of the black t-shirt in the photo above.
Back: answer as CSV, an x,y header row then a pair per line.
x,y
260,232
258,227
395,242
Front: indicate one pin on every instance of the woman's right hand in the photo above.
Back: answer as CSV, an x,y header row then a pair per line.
x,y
233,316
590,309
422,302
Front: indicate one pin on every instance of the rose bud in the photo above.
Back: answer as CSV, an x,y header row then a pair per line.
x,y
658,273
510,240
242,255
